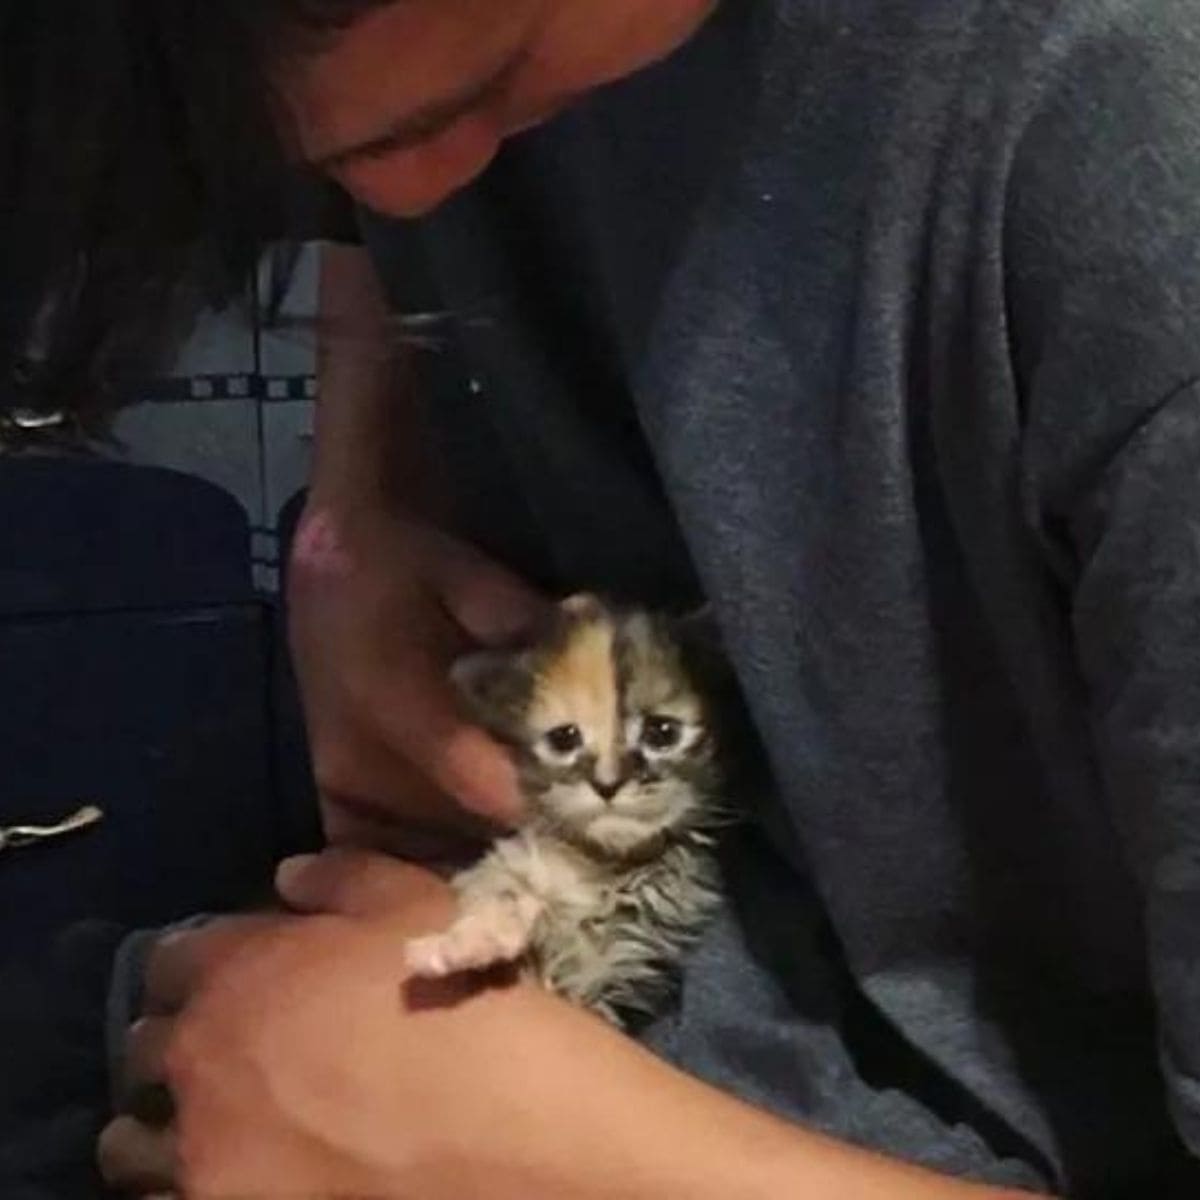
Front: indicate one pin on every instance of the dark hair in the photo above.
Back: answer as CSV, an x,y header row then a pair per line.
x,y
140,145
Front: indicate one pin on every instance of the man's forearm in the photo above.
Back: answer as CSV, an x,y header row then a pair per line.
x,y
774,1160
660,1132
369,451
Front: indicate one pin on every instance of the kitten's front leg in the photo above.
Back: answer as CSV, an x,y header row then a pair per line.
x,y
495,924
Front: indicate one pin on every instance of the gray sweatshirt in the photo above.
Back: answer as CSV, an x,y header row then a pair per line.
x,y
878,321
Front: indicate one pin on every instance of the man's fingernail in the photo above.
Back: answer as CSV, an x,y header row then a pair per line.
x,y
291,869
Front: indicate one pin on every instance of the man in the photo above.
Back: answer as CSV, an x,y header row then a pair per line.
x,y
875,323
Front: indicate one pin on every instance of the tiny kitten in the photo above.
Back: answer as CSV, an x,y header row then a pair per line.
x,y
613,874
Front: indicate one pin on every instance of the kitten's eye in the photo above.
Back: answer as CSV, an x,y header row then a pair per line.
x,y
564,740
661,733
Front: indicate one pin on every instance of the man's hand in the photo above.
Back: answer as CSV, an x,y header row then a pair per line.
x,y
379,608
303,1065
275,1037
380,604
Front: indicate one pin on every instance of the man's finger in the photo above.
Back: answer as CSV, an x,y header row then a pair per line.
x,y
423,721
500,613
358,883
179,961
133,1157
464,762
491,604
144,1070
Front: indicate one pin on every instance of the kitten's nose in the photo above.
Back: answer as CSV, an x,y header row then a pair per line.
x,y
606,791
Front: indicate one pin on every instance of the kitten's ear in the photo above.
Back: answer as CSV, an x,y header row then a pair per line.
x,y
490,683
582,604
700,627
699,635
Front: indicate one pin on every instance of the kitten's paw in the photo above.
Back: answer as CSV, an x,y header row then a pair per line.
x,y
497,932
426,958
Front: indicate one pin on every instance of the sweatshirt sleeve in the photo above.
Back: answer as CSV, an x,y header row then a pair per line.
x,y
1103,274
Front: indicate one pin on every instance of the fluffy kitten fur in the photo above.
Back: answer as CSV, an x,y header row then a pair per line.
x,y
613,874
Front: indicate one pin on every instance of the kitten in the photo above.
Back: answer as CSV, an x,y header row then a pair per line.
x,y
613,874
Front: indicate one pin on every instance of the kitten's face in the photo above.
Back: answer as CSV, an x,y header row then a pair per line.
x,y
610,730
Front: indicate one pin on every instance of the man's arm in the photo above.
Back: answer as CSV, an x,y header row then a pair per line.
x,y
1103,255
380,602
370,451
303,1065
